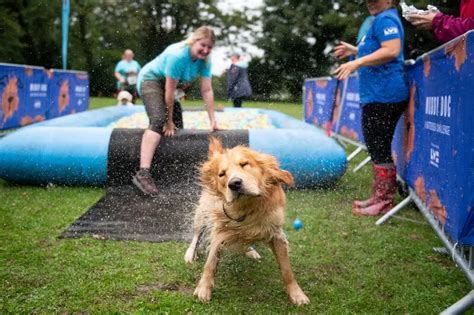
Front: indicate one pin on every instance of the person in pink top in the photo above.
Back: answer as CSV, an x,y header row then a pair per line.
x,y
447,27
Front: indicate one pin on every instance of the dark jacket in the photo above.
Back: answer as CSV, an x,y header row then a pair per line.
x,y
238,85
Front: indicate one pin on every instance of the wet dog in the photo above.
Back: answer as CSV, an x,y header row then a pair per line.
x,y
242,202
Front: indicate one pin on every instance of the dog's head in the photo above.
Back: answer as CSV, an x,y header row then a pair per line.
x,y
241,172
10,97
63,98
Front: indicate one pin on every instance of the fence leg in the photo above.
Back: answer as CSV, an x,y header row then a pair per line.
x,y
361,164
471,258
460,306
394,210
340,141
354,154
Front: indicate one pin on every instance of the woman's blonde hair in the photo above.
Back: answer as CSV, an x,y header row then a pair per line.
x,y
200,33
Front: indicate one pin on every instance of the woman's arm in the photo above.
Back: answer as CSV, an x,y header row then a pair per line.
x,y
170,88
344,50
388,51
208,97
447,27
119,77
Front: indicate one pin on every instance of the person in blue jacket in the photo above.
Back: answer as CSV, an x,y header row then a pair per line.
x,y
238,85
383,95
175,68
126,72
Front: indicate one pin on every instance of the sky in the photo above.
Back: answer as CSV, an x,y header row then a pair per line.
x,y
219,58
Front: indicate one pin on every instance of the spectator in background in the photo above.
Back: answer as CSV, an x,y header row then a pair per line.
x,y
124,98
383,95
238,85
126,72
446,27
176,67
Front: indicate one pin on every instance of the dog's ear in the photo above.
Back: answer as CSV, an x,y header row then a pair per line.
x,y
284,177
277,175
215,146
208,177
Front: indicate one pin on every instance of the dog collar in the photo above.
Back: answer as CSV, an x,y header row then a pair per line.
x,y
242,218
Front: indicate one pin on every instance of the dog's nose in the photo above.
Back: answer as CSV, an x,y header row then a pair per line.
x,y
235,184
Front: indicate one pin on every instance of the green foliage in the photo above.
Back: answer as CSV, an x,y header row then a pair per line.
x,y
30,34
297,38
11,33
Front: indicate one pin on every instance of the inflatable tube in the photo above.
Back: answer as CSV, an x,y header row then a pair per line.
x,y
74,149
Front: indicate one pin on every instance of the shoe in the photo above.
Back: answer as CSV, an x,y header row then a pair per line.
x,y
144,181
385,187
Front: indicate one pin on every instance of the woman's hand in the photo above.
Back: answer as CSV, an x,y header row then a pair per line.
x,y
346,69
344,50
423,21
169,128
214,126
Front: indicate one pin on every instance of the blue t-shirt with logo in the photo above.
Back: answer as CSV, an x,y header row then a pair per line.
x,y
175,62
384,83
126,68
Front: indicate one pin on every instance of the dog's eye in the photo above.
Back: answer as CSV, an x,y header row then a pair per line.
x,y
244,164
222,173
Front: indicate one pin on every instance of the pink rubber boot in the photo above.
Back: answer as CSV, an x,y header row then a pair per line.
x,y
385,189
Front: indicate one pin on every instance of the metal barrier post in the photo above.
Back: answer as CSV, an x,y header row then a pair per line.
x,y
361,164
354,154
460,306
394,210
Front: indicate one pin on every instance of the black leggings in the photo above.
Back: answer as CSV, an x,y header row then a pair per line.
x,y
378,124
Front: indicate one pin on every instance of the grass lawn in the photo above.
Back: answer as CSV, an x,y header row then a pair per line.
x,y
345,264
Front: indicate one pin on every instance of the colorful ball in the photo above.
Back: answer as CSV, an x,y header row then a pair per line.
x,y
297,224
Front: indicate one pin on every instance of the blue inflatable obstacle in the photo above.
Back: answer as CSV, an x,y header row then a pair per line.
x,y
75,149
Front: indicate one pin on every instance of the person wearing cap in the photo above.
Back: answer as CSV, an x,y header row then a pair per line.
x,y
126,72
175,68
384,96
238,85
125,98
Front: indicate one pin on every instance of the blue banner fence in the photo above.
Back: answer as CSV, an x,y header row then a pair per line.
x,y
31,94
433,146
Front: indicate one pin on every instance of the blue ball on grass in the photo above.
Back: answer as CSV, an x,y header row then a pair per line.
x,y
297,224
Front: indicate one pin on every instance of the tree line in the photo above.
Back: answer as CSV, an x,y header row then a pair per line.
x,y
296,36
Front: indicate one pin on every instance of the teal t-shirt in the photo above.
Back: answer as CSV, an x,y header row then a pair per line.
x,y
175,62
125,68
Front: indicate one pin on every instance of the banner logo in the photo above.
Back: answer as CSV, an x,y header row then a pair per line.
x,y
434,155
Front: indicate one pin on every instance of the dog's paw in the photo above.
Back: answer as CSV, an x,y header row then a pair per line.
x,y
252,253
203,293
298,297
190,256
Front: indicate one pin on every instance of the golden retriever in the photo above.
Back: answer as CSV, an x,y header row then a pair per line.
x,y
242,202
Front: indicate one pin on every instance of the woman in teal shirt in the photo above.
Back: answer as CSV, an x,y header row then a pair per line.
x,y
126,72
175,67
